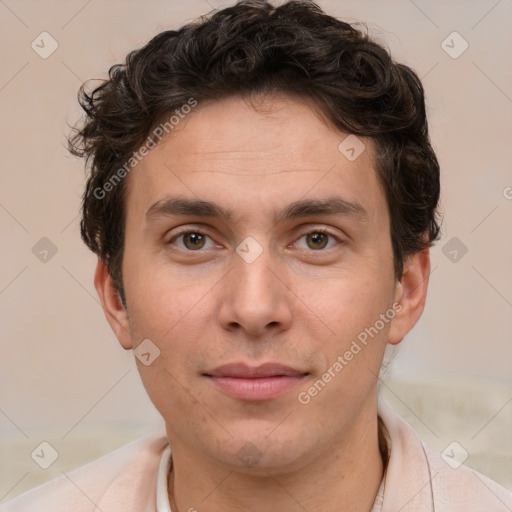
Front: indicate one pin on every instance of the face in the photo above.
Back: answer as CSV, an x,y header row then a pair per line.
x,y
258,261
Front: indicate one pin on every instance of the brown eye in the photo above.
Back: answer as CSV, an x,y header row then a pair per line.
x,y
317,240
193,241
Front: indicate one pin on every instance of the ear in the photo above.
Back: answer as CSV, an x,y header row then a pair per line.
x,y
410,294
113,308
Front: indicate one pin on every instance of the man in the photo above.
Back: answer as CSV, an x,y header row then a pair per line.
x,y
262,199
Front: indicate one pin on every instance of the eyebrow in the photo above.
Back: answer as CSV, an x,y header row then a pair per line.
x,y
175,206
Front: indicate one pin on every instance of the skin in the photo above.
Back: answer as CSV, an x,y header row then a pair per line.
x,y
294,304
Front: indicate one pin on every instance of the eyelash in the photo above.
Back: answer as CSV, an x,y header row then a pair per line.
x,y
199,232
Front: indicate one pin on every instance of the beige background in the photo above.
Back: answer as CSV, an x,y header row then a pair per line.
x,y
63,377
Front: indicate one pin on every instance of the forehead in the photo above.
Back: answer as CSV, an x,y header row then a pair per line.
x,y
251,156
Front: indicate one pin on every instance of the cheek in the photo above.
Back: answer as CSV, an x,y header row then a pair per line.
x,y
159,297
347,304
177,314
353,351
172,315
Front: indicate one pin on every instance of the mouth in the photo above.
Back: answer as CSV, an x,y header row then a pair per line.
x,y
255,383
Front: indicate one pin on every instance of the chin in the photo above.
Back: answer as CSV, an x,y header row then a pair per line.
x,y
263,454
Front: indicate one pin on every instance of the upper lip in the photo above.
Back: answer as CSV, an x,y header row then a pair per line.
x,y
244,371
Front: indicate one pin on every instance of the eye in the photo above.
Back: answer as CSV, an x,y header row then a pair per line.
x,y
316,241
192,241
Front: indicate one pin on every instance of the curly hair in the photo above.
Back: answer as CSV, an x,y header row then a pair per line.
x,y
255,47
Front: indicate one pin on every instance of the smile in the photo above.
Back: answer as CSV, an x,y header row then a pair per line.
x,y
255,383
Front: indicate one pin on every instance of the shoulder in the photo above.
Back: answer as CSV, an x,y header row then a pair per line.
x,y
458,487
419,479
123,480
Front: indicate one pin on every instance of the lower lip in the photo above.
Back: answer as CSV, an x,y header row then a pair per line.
x,y
260,389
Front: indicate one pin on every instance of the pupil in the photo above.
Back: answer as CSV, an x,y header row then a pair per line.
x,y
319,240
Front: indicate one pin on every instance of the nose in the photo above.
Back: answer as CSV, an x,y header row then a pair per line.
x,y
254,300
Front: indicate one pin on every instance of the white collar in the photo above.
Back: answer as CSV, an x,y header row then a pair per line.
x,y
162,493
379,499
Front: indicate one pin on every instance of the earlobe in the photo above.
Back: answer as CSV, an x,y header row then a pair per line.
x,y
113,308
410,294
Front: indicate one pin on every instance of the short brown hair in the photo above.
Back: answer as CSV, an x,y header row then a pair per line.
x,y
254,47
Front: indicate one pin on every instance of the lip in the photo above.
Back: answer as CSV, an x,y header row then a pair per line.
x,y
255,383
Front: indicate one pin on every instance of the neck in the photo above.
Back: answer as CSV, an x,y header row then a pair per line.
x,y
345,476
